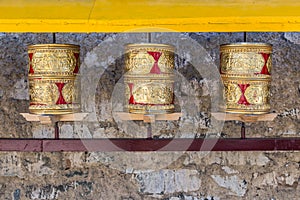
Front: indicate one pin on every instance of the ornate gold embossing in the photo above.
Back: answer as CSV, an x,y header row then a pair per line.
x,y
232,93
245,58
256,93
55,59
151,95
151,109
53,62
68,92
269,63
241,63
246,47
44,94
139,61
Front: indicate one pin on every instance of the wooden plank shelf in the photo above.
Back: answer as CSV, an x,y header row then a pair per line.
x,y
50,119
244,117
148,118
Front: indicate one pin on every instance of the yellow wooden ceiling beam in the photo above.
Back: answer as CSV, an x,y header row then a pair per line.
x,y
145,15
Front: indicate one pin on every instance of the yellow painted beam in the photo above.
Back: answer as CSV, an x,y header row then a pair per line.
x,y
233,24
45,9
145,15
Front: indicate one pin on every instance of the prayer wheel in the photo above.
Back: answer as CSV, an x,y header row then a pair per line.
x,y
246,74
149,78
53,74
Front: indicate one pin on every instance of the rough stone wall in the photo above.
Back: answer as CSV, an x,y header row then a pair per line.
x,y
152,175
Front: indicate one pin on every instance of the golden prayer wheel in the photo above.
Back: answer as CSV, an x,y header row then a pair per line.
x,y
149,78
246,58
246,74
53,73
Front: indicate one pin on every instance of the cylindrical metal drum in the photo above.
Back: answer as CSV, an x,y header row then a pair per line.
x,y
247,94
149,78
246,73
150,95
53,73
246,58
53,59
149,58
53,95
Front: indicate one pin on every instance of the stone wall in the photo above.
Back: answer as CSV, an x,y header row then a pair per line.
x,y
152,175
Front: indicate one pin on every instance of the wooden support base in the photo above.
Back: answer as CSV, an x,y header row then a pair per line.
x,y
149,118
244,117
50,119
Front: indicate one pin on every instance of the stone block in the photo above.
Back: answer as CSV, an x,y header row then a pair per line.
x,y
234,184
168,181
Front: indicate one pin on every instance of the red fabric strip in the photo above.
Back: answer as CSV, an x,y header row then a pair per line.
x,y
31,71
76,69
156,55
265,70
131,99
243,99
61,99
